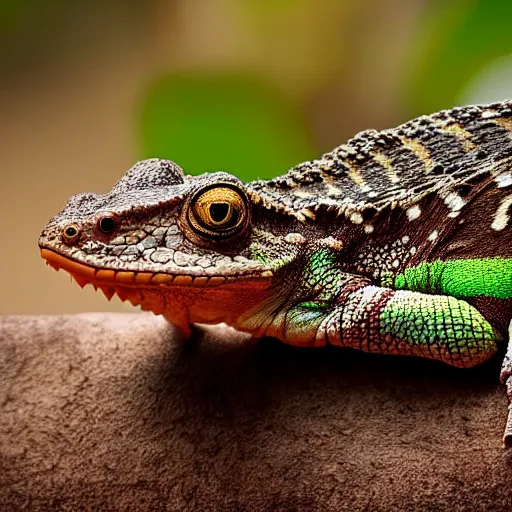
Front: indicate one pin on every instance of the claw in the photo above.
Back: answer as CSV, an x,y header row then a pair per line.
x,y
507,436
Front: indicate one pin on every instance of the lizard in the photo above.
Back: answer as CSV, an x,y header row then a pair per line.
x,y
397,242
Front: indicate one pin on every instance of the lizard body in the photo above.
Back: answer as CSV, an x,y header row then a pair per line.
x,y
397,242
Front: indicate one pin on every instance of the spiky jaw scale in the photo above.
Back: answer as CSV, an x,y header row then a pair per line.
x,y
181,299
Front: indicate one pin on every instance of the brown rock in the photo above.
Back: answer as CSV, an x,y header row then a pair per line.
x,y
111,412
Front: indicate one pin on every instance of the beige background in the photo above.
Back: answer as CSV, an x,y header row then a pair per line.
x,y
69,99
65,127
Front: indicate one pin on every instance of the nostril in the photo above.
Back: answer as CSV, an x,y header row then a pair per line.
x,y
70,234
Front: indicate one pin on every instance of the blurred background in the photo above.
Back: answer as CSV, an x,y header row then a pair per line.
x,y
252,87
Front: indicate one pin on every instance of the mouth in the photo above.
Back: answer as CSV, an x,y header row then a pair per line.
x,y
130,285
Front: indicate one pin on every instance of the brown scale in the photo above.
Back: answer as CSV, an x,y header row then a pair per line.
x,y
470,234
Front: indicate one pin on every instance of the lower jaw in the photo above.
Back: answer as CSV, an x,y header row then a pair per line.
x,y
156,292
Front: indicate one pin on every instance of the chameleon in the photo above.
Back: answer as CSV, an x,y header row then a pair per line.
x,y
397,242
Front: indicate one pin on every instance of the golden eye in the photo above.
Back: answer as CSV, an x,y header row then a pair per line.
x,y
218,212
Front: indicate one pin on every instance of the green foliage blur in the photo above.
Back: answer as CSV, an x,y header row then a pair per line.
x,y
14,14
457,40
222,122
240,124
266,85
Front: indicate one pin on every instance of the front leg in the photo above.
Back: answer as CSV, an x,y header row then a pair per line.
x,y
329,305
402,322
506,378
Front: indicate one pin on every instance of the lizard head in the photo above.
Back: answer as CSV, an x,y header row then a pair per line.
x,y
174,244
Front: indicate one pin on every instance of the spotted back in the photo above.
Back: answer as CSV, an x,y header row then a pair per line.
x,y
442,153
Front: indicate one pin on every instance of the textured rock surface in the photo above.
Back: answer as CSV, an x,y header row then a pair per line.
x,y
105,411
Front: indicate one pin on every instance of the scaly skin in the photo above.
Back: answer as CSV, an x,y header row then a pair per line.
x,y
398,242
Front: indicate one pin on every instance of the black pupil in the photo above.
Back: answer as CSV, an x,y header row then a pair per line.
x,y
107,224
219,211
71,231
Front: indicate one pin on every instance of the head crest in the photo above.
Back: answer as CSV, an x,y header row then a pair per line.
x,y
150,174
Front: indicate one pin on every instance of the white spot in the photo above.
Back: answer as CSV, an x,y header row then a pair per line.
x,y
294,238
502,217
372,194
329,201
241,259
505,180
405,239
332,243
433,236
413,250
413,213
488,114
300,192
454,202
453,214
356,218
332,190
368,229
396,263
